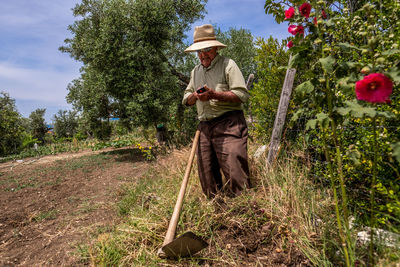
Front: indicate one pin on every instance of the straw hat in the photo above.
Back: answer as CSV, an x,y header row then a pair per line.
x,y
204,37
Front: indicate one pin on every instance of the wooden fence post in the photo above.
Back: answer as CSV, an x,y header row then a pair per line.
x,y
281,116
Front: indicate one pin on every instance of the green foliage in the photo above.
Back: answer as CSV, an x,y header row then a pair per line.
x,y
11,128
65,123
265,95
37,124
240,47
28,141
353,141
128,49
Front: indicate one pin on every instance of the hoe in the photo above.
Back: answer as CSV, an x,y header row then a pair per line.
x,y
187,244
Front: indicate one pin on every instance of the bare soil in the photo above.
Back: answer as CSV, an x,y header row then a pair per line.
x,y
51,205
54,205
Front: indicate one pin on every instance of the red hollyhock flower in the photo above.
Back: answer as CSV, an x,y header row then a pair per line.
x,y
374,88
315,21
305,9
300,29
289,13
289,44
323,14
293,29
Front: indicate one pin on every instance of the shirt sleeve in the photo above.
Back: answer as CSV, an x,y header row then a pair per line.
x,y
189,89
236,82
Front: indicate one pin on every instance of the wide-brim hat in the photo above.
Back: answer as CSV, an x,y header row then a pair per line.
x,y
204,37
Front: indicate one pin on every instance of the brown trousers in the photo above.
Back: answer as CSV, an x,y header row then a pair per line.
x,y
223,146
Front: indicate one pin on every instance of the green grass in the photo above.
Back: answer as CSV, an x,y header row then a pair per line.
x,y
16,185
62,147
46,215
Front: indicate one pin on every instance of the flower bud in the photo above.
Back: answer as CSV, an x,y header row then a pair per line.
x,y
321,80
372,41
321,3
380,60
366,70
367,7
317,41
327,49
364,51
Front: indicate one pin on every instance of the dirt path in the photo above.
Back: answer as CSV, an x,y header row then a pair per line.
x,y
52,205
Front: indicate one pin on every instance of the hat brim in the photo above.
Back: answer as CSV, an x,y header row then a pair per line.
x,y
205,44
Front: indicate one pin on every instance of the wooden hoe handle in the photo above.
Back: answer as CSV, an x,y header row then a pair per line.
x,y
175,215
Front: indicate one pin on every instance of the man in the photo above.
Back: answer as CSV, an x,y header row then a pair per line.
x,y
223,128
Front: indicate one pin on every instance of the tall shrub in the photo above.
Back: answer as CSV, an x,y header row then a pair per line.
x,y
11,128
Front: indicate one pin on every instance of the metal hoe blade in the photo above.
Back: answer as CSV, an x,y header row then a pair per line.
x,y
185,245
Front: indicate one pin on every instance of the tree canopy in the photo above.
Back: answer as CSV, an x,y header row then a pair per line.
x,y
129,52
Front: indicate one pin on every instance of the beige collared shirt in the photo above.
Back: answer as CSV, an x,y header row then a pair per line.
x,y
222,75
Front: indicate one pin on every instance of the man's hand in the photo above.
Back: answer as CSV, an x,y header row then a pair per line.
x,y
211,94
206,95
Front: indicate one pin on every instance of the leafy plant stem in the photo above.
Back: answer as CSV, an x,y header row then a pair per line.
x,y
338,218
338,153
345,236
375,150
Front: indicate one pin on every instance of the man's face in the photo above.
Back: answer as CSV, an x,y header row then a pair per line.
x,y
206,57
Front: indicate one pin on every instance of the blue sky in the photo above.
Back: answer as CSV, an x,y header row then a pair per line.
x,y
36,74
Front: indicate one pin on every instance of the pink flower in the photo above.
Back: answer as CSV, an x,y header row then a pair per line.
x,y
374,88
289,44
293,29
305,9
289,13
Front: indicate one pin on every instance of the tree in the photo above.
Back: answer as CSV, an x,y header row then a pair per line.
x,y
10,126
128,49
37,124
271,55
240,47
65,123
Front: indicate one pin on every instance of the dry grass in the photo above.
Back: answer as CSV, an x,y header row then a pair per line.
x,y
278,222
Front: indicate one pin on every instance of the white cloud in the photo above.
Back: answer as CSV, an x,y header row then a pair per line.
x,y
35,84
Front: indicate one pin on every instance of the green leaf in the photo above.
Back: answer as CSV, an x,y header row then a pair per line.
x,y
329,23
311,124
394,73
356,110
295,60
391,52
304,88
344,84
321,120
296,115
396,150
353,154
327,63
347,46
